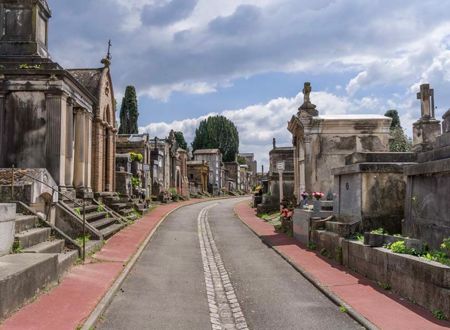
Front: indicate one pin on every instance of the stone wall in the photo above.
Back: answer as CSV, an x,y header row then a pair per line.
x,y
421,281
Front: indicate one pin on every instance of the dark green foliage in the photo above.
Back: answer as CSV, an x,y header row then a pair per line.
x,y
217,132
181,141
395,118
129,112
399,142
241,160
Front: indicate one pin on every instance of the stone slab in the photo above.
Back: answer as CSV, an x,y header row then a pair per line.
x,y
22,276
438,166
381,157
371,168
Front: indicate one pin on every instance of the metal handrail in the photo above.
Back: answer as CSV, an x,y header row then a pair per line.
x,y
58,192
53,227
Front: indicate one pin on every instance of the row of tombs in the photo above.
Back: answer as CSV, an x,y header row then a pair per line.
x,y
68,180
372,197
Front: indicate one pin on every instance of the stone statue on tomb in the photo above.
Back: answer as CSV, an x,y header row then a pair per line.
x,y
307,106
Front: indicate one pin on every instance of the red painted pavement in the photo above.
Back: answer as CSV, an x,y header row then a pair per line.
x,y
386,311
71,302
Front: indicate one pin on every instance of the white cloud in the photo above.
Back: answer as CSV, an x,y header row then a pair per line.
x,y
258,124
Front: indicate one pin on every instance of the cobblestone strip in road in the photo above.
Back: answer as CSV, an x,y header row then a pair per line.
x,y
225,311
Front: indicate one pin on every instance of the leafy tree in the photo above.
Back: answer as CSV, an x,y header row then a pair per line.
x,y
395,118
179,136
398,142
241,160
217,132
129,112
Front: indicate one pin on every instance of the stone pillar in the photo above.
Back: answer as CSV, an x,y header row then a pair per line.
x,y
79,169
69,144
88,150
56,137
109,184
3,134
308,164
427,128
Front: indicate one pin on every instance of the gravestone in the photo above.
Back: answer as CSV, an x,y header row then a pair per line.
x,y
370,189
427,211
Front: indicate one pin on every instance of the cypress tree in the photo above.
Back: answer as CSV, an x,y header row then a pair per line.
x,y
217,132
129,112
179,136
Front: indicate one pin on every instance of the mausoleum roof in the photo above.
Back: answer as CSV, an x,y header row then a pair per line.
x,y
89,78
206,151
351,117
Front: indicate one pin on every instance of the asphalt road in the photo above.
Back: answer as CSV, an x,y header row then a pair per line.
x,y
166,289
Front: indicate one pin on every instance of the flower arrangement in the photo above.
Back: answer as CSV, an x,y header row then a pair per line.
x,y
304,195
318,195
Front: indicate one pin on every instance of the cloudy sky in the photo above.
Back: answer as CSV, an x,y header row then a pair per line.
x,y
248,59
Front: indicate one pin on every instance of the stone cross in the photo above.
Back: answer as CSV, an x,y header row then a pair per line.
x,y
426,97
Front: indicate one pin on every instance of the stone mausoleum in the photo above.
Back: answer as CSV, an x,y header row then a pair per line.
x,y
321,143
52,118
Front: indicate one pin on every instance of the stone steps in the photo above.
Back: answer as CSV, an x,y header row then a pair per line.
x,y
96,216
111,230
28,238
22,276
55,246
99,224
25,222
65,260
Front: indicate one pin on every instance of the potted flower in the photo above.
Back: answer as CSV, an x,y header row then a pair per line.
x,y
305,197
318,195
317,204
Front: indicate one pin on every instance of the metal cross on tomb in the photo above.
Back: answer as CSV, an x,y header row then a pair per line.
x,y
426,97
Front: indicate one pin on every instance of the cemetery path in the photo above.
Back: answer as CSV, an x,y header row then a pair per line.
x,y
204,269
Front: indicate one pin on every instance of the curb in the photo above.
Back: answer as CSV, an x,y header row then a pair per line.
x,y
330,295
103,304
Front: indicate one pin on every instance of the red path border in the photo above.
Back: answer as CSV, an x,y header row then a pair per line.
x,y
384,310
69,304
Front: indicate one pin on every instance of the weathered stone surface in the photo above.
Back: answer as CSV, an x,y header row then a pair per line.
x,y
372,193
427,213
322,143
381,157
7,227
22,276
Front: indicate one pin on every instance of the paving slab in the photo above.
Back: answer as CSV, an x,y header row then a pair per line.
x,y
381,309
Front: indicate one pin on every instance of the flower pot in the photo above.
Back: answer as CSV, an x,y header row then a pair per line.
x,y
7,227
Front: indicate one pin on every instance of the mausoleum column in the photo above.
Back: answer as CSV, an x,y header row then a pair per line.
x,y
56,136
88,149
110,160
69,144
3,135
79,170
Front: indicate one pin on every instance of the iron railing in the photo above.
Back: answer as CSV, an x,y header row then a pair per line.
x,y
56,190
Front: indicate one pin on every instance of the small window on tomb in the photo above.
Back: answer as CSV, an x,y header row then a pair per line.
x,y
17,24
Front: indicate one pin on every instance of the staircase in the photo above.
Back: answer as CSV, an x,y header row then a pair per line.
x,y
30,237
122,205
97,216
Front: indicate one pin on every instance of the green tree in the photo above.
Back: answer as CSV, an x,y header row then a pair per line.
x,y
395,118
179,136
129,112
217,132
398,142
